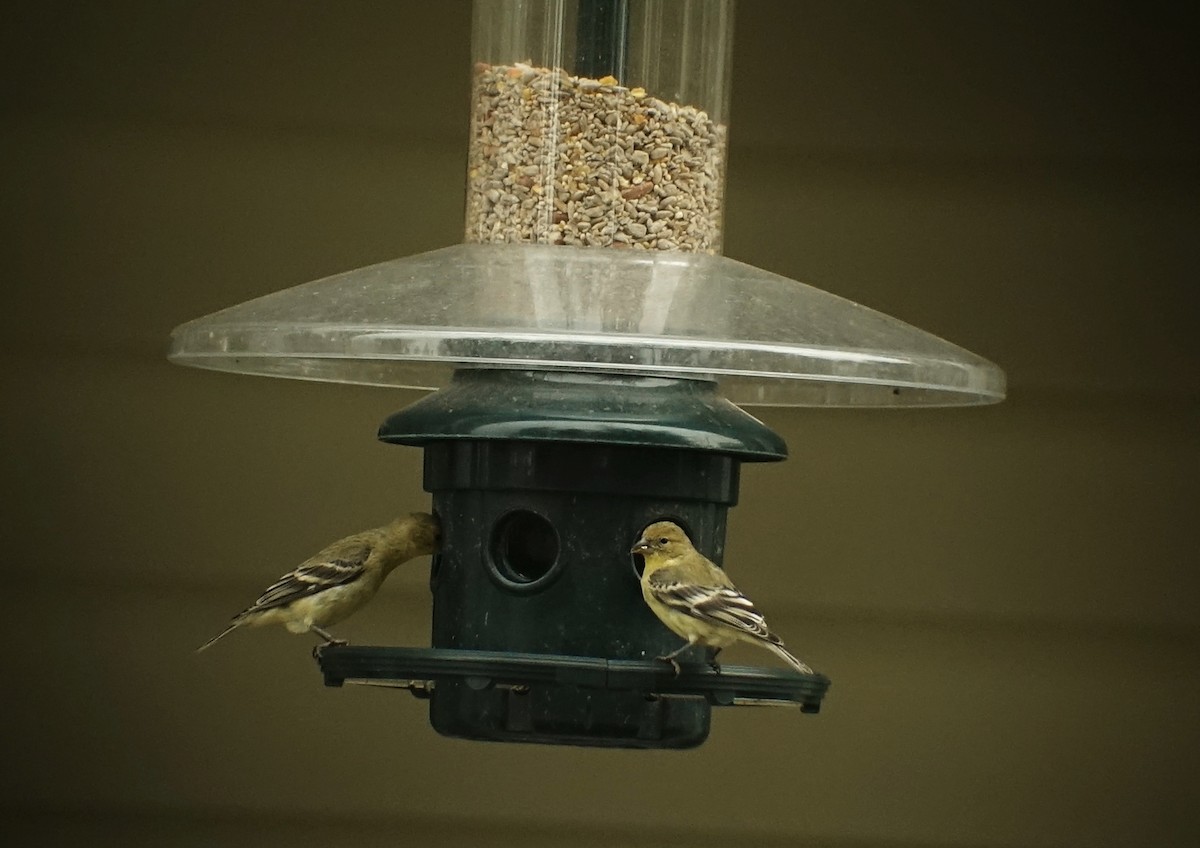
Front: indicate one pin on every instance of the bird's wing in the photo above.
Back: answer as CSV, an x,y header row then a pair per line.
x,y
315,575
720,605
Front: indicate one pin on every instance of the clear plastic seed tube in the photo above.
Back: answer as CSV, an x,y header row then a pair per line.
x,y
599,123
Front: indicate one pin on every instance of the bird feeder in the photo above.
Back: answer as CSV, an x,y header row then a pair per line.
x,y
591,350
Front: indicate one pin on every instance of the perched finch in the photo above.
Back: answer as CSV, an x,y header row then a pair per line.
x,y
329,587
697,600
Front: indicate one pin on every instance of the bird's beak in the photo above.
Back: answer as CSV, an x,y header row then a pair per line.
x,y
641,547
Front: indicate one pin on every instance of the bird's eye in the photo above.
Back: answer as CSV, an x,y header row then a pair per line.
x,y
663,540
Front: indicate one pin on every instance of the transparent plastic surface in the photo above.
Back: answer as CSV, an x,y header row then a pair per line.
x,y
766,339
599,123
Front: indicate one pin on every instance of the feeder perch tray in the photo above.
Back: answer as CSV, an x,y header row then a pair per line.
x,y
421,670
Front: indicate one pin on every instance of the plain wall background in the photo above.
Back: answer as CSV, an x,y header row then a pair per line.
x,y
1006,598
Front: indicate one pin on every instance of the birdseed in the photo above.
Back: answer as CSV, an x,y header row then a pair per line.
x,y
561,159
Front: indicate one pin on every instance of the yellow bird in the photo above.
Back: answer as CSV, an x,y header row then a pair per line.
x,y
697,600
329,587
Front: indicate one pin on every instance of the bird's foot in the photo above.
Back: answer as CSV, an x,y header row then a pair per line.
x,y
674,664
715,666
336,643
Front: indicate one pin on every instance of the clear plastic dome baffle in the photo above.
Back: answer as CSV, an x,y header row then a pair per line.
x,y
594,222
765,339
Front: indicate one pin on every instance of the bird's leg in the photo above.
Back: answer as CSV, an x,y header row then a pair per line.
x,y
327,636
712,663
670,658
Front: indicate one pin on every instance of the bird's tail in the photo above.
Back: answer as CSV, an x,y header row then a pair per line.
x,y
224,632
786,656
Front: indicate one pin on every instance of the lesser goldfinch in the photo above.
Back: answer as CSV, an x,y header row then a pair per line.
x,y
697,600
329,587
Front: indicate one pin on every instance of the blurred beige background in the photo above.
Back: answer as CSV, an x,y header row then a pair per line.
x,y
1006,598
